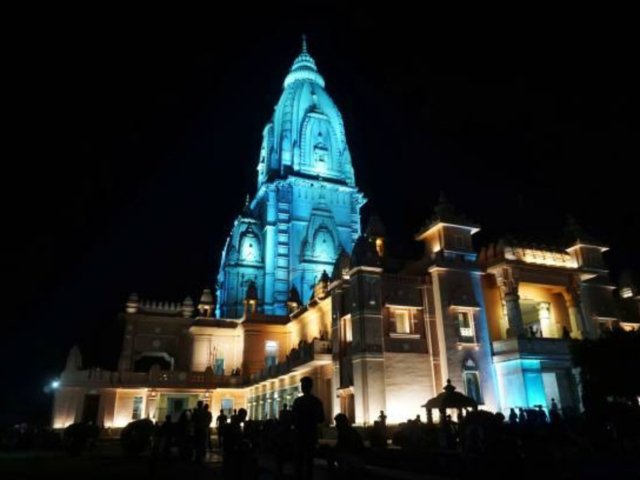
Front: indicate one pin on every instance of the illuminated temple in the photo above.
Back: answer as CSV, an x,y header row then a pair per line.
x,y
304,290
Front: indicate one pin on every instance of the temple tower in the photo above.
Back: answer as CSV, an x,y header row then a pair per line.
x,y
307,206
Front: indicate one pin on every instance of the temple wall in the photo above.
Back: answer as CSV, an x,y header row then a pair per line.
x,y
211,343
67,406
123,413
408,384
312,323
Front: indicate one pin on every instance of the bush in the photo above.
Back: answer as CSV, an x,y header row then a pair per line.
x,y
136,437
78,436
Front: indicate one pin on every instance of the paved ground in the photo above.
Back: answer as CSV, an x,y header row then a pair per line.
x,y
107,462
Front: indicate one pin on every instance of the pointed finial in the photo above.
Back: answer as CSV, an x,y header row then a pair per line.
x,y
304,43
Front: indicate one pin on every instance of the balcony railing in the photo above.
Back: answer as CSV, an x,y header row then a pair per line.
x,y
308,352
532,347
154,378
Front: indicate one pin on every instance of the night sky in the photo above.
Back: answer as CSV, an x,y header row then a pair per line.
x,y
137,144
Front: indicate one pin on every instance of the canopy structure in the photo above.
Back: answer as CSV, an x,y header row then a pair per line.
x,y
449,398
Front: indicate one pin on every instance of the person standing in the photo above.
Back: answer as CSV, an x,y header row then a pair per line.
x,y
308,413
237,449
200,431
208,419
221,425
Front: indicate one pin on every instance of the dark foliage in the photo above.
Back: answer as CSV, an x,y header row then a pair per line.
x,y
136,437
608,367
78,437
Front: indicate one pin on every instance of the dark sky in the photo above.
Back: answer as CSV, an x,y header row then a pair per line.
x,y
136,143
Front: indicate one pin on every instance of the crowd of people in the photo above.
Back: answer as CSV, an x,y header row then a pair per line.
x,y
190,435
291,440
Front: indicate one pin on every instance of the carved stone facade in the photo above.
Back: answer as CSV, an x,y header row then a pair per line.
x,y
302,293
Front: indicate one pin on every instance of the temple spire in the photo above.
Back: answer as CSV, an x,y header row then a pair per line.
x,y
304,43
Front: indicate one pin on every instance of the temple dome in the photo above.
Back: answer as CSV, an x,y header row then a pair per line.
x,y
304,68
207,297
364,254
306,133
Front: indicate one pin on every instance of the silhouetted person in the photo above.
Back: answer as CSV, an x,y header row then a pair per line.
x,y
200,429
522,418
554,413
542,415
565,333
285,416
283,439
346,456
166,435
208,419
378,435
185,445
234,448
221,425
307,415
382,418
513,417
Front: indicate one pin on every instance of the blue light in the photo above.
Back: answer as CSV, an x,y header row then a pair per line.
x,y
520,383
306,209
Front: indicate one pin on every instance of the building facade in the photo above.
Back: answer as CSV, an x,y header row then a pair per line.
x,y
302,292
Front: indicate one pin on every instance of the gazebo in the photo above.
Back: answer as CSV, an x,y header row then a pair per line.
x,y
449,398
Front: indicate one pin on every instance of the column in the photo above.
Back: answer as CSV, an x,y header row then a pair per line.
x,y
544,315
368,357
572,300
509,285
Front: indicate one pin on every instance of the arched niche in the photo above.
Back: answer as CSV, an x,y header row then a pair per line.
x,y
249,246
319,149
146,360
323,245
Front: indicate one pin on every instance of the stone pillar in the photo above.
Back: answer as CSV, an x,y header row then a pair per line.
x,y
125,362
544,315
574,306
152,406
509,285
368,356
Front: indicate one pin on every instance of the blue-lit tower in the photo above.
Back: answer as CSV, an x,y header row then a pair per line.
x,y
307,206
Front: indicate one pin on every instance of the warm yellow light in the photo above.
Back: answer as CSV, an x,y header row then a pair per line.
x,y
540,257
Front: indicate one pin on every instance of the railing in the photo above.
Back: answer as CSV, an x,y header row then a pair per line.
x,y
307,352
154,378
317,350
532,346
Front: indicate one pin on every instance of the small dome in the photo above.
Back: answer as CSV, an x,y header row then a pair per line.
x,y
207,297
74,359
187,307
304,68
133,303
376,227
341,265
294,295
364,254
252,292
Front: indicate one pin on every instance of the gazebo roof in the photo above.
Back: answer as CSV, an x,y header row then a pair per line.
x,y
449,398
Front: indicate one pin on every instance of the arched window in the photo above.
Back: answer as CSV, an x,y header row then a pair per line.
x,y
323,245
250,247
471,378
